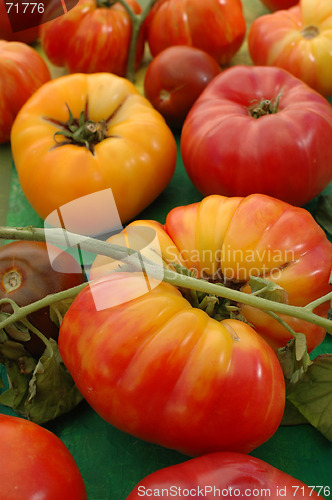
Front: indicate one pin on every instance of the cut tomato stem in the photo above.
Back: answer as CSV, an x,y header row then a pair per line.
x,y
264,107
183,281
310,32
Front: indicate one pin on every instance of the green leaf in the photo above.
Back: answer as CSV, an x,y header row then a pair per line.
x,y
39,390
6,167
52,391
323,212
312,396
59,309
268,290
294,358
292,416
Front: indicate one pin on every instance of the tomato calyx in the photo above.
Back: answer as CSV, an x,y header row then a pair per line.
x,y
81,131
264,107
310,32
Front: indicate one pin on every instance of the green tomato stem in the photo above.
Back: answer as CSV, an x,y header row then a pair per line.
x,y
56,237
136,21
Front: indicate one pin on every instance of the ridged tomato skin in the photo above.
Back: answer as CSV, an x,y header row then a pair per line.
x,y
167,373
35,463
230,240
90,38
136,158
298,40
235,474
216,26
286,154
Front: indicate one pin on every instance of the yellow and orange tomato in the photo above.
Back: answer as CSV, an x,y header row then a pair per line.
x,y
299,40
131,151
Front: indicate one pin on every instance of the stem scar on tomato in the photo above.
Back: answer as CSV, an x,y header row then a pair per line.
x,y
11,280
83,131
310,32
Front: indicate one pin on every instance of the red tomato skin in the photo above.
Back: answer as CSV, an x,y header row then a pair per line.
x,y
30,262
6,33
215,26
234,473
158,369
226,151
22,72
89,39
175,78
279,4
35,463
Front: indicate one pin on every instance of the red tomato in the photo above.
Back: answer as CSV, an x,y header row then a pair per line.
x,y
215,26
219,475
26,275
175,78
297,40
259,130
35,464
22,72
279,4
6,33
92,39
167,373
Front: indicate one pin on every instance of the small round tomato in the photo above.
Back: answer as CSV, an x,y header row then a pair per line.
x,y
80,134
22,72
215,26
26,275
279,4
259,130
233,474
6,33
92,37
297,40
175,78
35,464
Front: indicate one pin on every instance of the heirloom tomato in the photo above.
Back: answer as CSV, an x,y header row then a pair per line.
x,y
113,138
232,474
93,37
259,130
279,4
157,368
230,240
27,275
299,40
215,26
6,32
35,464
22,72
175,78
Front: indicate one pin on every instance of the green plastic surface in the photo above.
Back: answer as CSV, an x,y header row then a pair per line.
x,y
112,462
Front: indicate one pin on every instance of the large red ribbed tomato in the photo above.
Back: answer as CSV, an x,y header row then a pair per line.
x,y
215,26
92,37
230,240
164,371
259,130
